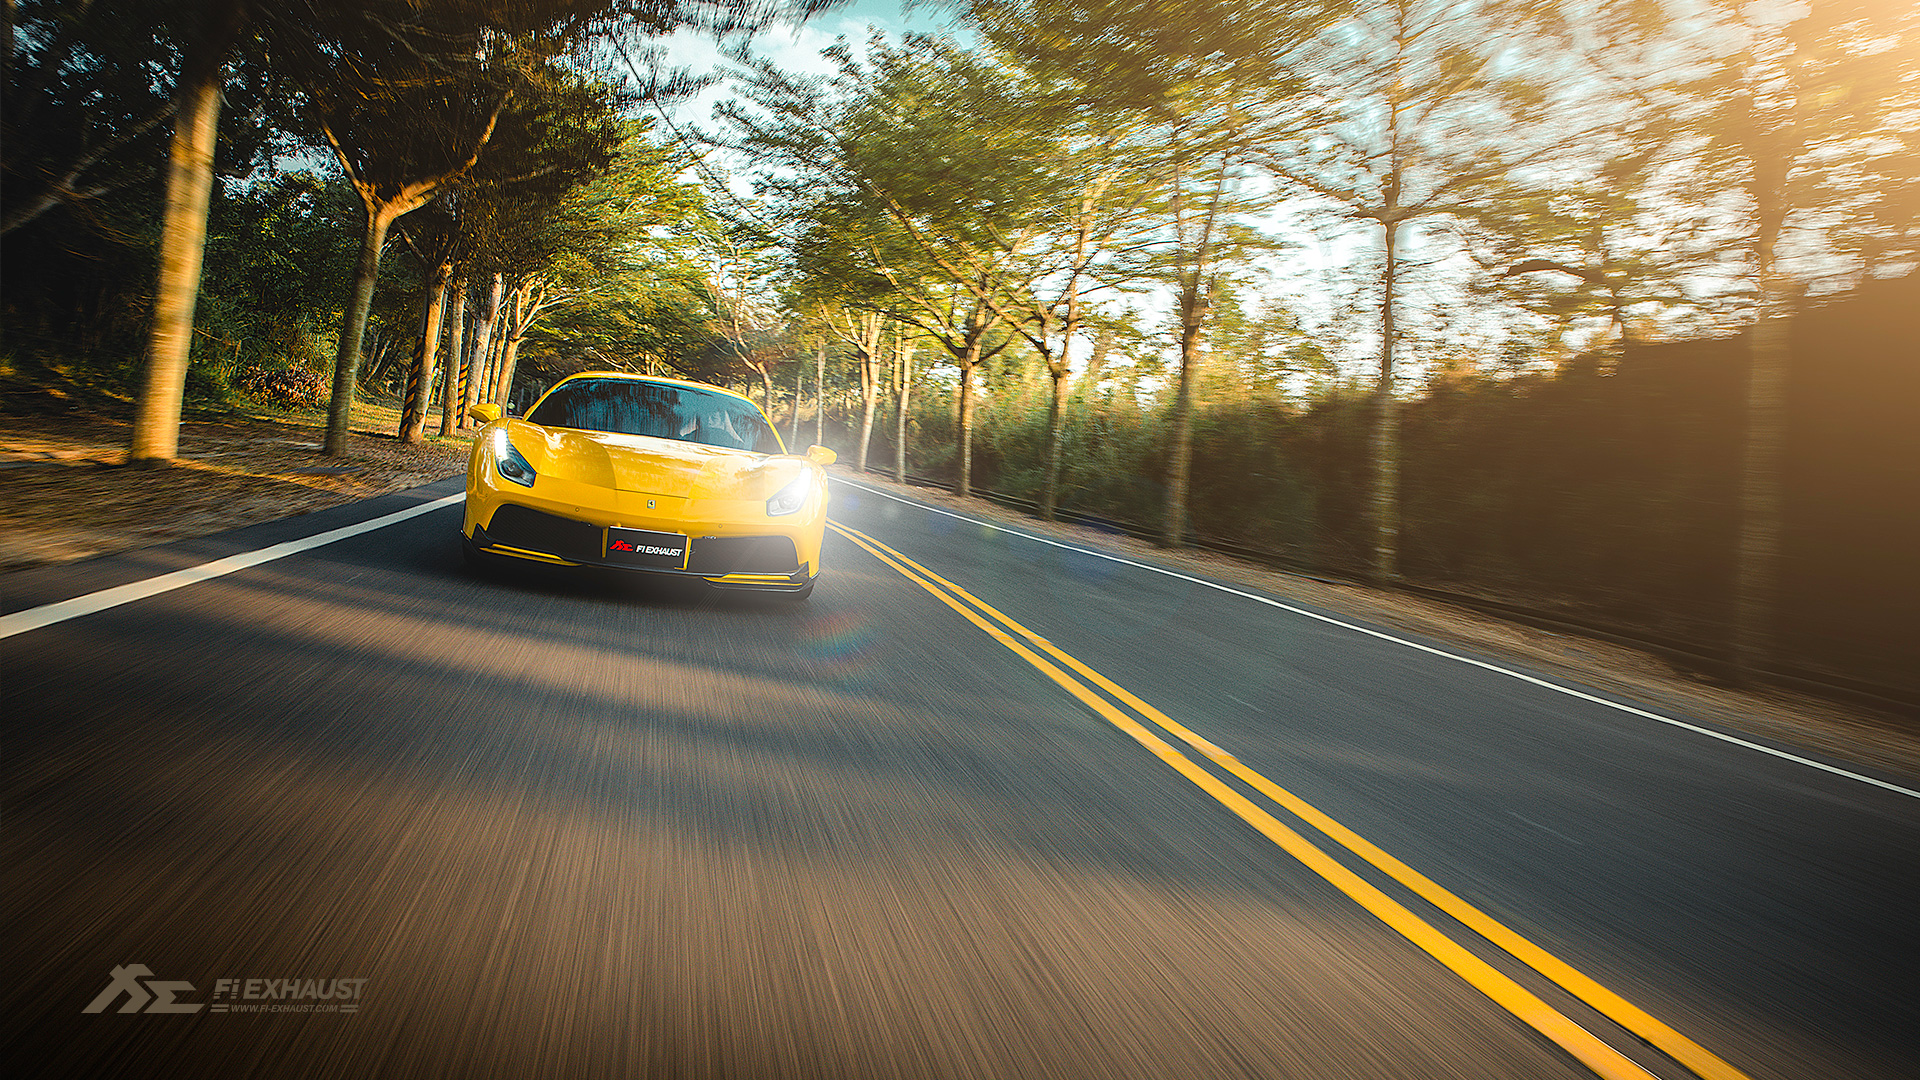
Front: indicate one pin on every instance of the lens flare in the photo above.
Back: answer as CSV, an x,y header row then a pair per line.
x,y
844,645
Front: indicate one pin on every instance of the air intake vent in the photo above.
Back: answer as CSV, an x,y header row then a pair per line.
x,y
531,530
714,555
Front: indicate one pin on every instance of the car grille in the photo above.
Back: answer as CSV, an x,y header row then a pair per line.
x,y
531,530
743,555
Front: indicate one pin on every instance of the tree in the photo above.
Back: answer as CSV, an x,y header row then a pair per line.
x,y
451,394
904,346
1421,116
483,322
874,220
1071,184
799,386
820,395
402,125
81,119
419,387
309,42
611,250
1260,350
1205,238
1111,197
434,238
1794,126
519,213
738,266
1619,226
1206,88
863,330
209,31
1091,191
530,298
1814,112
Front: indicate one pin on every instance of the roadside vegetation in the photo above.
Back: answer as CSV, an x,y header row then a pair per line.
x,y
1598,307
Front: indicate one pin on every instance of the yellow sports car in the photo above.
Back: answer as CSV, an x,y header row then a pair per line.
x,y
650,474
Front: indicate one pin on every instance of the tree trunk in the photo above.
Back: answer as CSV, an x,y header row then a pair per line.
x,y
456,340
483,322
1050,487
1756,581
963,483
1196,298
523,315
869,396
1173,521
502,326
509,361
380,358
419,396
496,352
471,372
1762,496
482,371
183,232
820,396
799,384
866,335
1385,450
900,418
514,329
346,362
183,242
1097,362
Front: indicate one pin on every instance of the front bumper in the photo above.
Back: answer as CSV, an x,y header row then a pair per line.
x,y
764,563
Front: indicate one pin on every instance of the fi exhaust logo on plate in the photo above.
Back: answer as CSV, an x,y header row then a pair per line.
x,y
134,986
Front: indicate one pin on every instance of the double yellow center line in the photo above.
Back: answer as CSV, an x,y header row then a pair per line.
x,y
1079,680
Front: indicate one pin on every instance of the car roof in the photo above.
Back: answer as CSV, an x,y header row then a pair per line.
x,y
631,377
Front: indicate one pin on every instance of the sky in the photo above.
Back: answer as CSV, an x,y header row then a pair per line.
x,y
794,47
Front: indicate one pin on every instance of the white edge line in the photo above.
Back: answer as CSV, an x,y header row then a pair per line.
x,y
48,614
1509,672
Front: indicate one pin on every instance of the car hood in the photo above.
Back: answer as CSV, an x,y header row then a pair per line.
x,y
643,463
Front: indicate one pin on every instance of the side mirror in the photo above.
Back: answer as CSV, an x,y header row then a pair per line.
x,y
820,455
484,412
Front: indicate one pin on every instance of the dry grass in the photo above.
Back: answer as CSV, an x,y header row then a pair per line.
x,y
68,493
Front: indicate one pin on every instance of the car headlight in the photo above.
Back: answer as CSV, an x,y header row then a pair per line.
x,y
508,460
791,498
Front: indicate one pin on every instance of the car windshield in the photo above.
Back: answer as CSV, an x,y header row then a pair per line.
x,y
663,410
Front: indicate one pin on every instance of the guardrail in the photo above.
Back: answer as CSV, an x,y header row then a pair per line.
x,y
1714,664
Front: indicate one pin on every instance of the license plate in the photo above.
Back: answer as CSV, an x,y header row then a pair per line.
x,y
635,547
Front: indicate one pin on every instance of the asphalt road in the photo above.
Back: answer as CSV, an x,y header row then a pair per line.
x,y
588,825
